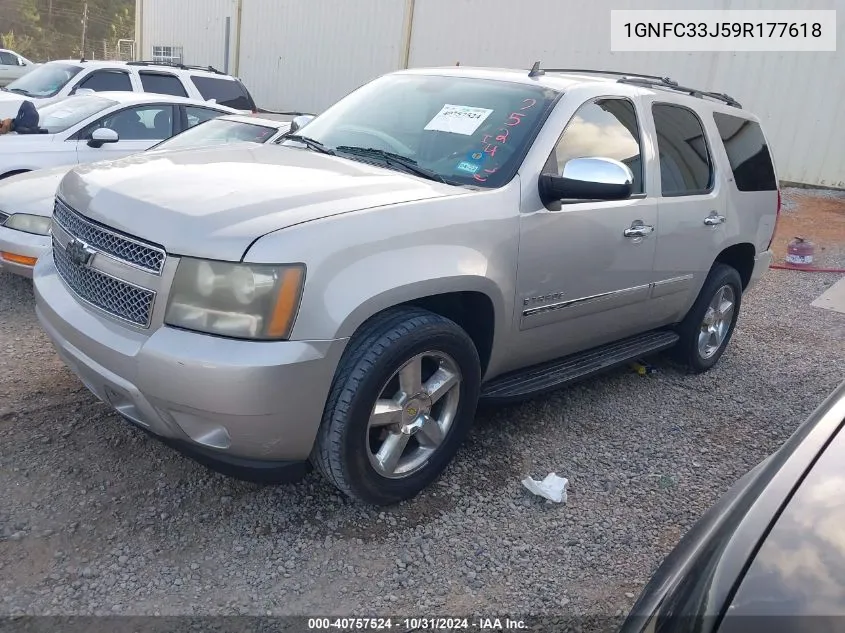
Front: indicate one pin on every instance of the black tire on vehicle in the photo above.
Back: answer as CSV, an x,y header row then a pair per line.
x,y
706,331
345,450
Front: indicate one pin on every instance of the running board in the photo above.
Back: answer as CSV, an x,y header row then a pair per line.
x,y
548,376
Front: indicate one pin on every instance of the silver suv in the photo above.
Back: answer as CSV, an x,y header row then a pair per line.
x,y
439,236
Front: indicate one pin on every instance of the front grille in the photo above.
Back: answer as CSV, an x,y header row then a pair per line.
x,y
111,295
145,256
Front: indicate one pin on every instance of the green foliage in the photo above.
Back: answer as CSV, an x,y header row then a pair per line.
x,y
52,29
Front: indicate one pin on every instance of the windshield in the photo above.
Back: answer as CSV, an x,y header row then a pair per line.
x,y
63,115
44,81
464,130
218,132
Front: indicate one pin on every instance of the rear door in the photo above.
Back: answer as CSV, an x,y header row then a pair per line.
x,y
138,128
690,204
162,83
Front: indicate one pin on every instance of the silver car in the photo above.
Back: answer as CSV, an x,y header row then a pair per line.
x,y
437,237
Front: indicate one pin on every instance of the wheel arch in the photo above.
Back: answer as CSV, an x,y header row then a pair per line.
x,y
740,257
474,303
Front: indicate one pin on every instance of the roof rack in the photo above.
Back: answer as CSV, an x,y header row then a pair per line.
x,y
637,79
210,69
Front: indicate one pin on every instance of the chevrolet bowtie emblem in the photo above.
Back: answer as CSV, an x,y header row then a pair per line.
x,y
79,252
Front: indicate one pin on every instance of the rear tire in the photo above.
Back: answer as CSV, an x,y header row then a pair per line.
x,y
384,454
707,329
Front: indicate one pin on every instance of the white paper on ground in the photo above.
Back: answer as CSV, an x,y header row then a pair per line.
x,y
458,119
552,487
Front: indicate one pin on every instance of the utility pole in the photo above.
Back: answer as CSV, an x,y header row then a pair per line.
x,y
84,27
50,15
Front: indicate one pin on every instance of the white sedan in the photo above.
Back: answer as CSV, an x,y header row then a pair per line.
x,y
103,126
26,200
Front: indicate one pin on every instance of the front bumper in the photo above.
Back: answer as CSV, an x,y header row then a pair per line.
x,y
236,400
23,245
762,261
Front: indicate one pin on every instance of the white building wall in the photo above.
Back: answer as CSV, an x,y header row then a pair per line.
x,y
799,96
305,54
198,26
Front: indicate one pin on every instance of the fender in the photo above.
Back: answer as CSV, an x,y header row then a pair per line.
x,y
360,263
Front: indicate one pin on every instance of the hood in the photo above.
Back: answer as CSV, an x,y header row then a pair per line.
x,y
32,192
10,103
214,202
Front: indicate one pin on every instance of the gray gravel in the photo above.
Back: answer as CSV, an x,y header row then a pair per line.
x,y
98,518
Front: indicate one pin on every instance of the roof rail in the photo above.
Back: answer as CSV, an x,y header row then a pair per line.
x,y
694,92
209,69
637,79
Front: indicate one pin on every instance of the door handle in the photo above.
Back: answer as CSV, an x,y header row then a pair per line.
x,y
638,229
714,219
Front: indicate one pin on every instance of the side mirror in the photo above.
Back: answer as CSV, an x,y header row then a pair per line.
x,y
101,136
588,179
300,122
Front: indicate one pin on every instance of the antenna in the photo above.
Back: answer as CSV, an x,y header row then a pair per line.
x,y
536,71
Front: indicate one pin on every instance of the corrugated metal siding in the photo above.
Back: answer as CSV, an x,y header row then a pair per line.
x,y
198,26
306,54
798,96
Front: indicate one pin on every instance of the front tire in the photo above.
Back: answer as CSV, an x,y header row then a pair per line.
x,y
707,329
401,404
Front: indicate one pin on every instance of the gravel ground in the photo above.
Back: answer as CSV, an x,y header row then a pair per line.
x,y
98,518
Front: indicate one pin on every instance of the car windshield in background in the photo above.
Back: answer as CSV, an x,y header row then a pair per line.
x,y
218,132
44,81
63,115
462,130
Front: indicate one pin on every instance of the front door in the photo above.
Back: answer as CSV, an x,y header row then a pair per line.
x,y
584,276
138,128
691,210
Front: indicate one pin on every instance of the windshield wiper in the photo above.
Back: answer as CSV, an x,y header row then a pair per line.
x,y
317,146
391,158
19,91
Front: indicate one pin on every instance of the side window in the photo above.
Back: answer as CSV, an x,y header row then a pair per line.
x,y
747,153
107,80
163,84
606,128
226,92
141,123
197,115
7,59
685,164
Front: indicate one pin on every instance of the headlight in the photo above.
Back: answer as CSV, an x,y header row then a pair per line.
x,y
254,301
37,224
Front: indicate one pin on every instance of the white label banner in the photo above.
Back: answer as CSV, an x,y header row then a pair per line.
x,y
723,30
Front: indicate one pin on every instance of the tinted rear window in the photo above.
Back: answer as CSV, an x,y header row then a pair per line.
x,y
226,92
163,84
747,152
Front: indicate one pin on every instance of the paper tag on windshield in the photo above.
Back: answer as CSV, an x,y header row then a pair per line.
x,y
458,119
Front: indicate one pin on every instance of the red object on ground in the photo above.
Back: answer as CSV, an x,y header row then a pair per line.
x,y
805,269
799,253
